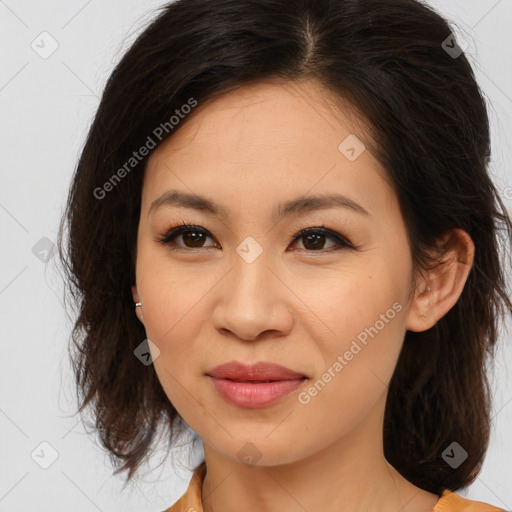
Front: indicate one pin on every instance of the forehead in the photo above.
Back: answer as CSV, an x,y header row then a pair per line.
x,y
267,139
270,113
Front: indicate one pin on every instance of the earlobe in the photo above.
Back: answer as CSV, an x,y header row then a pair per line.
x,y
135,295
137,304
419,316
438,293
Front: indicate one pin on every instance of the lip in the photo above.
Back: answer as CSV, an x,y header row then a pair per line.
x,y
261,371
253,393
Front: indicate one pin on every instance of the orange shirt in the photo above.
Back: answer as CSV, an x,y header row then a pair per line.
x,y
448,502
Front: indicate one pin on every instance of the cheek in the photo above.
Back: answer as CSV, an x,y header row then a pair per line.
x,y
358,361
169,293
356,300
173,317
363,323
175,308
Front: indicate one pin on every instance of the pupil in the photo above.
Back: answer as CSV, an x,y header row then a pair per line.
x,y
196,237
317,241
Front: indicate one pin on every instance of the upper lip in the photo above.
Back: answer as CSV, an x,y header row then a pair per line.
x,y
261,370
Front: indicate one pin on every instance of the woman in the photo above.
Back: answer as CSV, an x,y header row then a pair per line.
x,y
283,234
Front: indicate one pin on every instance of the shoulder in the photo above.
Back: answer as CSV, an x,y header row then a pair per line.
x,y
450,501
191,500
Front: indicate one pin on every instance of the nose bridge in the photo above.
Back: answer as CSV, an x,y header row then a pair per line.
x,y
251,279
253,299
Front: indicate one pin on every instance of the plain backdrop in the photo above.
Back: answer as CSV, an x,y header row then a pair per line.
x,y
55,58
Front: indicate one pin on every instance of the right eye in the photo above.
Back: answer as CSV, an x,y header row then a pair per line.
x,y
192,236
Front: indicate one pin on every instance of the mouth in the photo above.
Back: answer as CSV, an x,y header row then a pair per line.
x,y
253,381
252,394
254,385
257,372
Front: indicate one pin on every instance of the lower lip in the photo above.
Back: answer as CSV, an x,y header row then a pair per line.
x,y
252,396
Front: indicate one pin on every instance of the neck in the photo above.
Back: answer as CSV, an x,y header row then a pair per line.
x,y
351,475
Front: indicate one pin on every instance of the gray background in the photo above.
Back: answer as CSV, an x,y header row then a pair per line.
x,y
46,108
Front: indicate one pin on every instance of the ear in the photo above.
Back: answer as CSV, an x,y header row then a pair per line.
x,y
436,294
138,309
135,295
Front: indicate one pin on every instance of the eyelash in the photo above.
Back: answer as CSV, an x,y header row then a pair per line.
x,y
176,230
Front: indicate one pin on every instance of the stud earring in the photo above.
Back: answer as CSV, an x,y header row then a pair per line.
x,y
137,305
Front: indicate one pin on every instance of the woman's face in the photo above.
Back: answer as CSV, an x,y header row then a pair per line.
x,y
249,290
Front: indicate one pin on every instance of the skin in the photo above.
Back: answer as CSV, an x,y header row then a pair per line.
x,y
297,304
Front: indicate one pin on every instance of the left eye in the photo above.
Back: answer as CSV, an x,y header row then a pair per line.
x,y
194,236
315,238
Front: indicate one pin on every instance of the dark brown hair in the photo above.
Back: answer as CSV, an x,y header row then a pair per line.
x,y
429,129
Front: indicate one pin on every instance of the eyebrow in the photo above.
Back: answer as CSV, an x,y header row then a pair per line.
x,y
299,205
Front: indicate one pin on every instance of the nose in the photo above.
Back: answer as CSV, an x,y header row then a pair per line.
x,y
253,302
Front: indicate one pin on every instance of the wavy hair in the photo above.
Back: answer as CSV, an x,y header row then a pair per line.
x,y
390,60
